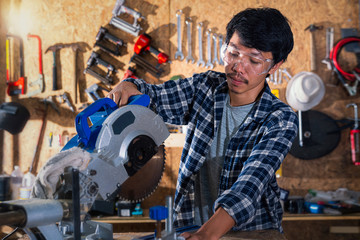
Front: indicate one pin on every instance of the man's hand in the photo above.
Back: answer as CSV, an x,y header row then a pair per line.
x,y
219,224
121,93
197,236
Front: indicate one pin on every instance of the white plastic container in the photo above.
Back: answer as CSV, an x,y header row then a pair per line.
x,y
16,182
27,184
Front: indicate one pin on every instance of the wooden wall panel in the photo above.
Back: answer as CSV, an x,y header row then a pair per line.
x,y
79,21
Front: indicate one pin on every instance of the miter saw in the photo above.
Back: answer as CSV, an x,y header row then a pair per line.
x,y
127,160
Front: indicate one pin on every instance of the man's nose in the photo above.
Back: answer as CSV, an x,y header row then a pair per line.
x,y
239,66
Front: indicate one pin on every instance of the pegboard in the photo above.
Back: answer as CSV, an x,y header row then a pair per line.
x,y
68,22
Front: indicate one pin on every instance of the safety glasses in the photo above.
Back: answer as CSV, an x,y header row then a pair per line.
x,y
250,62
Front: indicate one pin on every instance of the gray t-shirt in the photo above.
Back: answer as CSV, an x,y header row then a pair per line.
x,y
208,178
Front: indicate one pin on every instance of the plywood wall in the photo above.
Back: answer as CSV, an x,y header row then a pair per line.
x,y
79,21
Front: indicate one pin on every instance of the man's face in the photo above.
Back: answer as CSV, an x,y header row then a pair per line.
x,y
246,68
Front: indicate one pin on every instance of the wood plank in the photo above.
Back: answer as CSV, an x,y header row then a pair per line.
x,y
319,217
344,229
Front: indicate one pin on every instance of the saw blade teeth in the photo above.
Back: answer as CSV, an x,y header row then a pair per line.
x,y
126,196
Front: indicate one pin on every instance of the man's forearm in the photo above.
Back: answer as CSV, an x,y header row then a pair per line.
x,y
218,225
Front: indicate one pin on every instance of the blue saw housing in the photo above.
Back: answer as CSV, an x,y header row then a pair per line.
x,y
95,114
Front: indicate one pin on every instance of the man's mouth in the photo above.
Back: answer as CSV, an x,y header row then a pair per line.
x,y
236,79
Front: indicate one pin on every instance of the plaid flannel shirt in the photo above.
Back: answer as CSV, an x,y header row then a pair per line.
x,y
248,189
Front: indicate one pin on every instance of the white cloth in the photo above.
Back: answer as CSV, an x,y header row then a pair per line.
x,y
48,177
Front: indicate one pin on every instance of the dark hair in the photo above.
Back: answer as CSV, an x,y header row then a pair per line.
x,y
265,29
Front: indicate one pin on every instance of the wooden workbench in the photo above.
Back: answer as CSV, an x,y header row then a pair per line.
x,y
123,225
286,217
254,235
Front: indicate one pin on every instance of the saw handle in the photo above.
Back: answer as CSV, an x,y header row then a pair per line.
x,y
81,122
143,100
108,105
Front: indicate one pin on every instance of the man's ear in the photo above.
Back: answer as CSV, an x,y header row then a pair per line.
x,y
276,67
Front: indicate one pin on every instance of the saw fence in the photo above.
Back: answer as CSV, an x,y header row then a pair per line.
x,y
85,53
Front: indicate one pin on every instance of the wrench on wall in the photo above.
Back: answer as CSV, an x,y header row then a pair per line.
x,y
201,61
179,53
216,59
208,63
189,57
221,39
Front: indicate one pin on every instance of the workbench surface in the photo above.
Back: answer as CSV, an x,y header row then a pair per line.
x,y
254,235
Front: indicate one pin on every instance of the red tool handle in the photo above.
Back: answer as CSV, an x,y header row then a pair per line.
x,y
19,83
40,51
354,139
129,73
334,55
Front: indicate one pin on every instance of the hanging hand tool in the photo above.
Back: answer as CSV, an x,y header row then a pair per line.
x,y
179,53
95,60
312,28
189,58
7,61
103,39
208,63
329,45
142,63
40,81
92,91
352,90
201,61
221,39
47,101
133,28
278,76
50,139
142,45
129,73
77,47
54,50
15,87
354,137
216,59
65,98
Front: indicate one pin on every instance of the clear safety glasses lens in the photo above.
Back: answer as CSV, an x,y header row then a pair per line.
x,y
249,62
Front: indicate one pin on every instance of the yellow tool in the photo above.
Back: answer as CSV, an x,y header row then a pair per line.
x,y
7,61
14,87
276,93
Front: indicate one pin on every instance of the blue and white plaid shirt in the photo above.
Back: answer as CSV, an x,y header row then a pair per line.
x,y
248,190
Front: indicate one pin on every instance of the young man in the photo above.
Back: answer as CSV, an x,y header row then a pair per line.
x,y
238,132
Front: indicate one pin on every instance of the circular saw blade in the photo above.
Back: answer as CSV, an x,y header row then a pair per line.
x,y
145,181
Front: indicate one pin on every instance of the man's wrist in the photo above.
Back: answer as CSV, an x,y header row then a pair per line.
x,y
218,225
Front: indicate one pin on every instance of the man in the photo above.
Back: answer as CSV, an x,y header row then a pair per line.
x,y
238,132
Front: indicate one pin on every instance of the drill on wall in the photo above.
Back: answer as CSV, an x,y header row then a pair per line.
x,y
142,45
